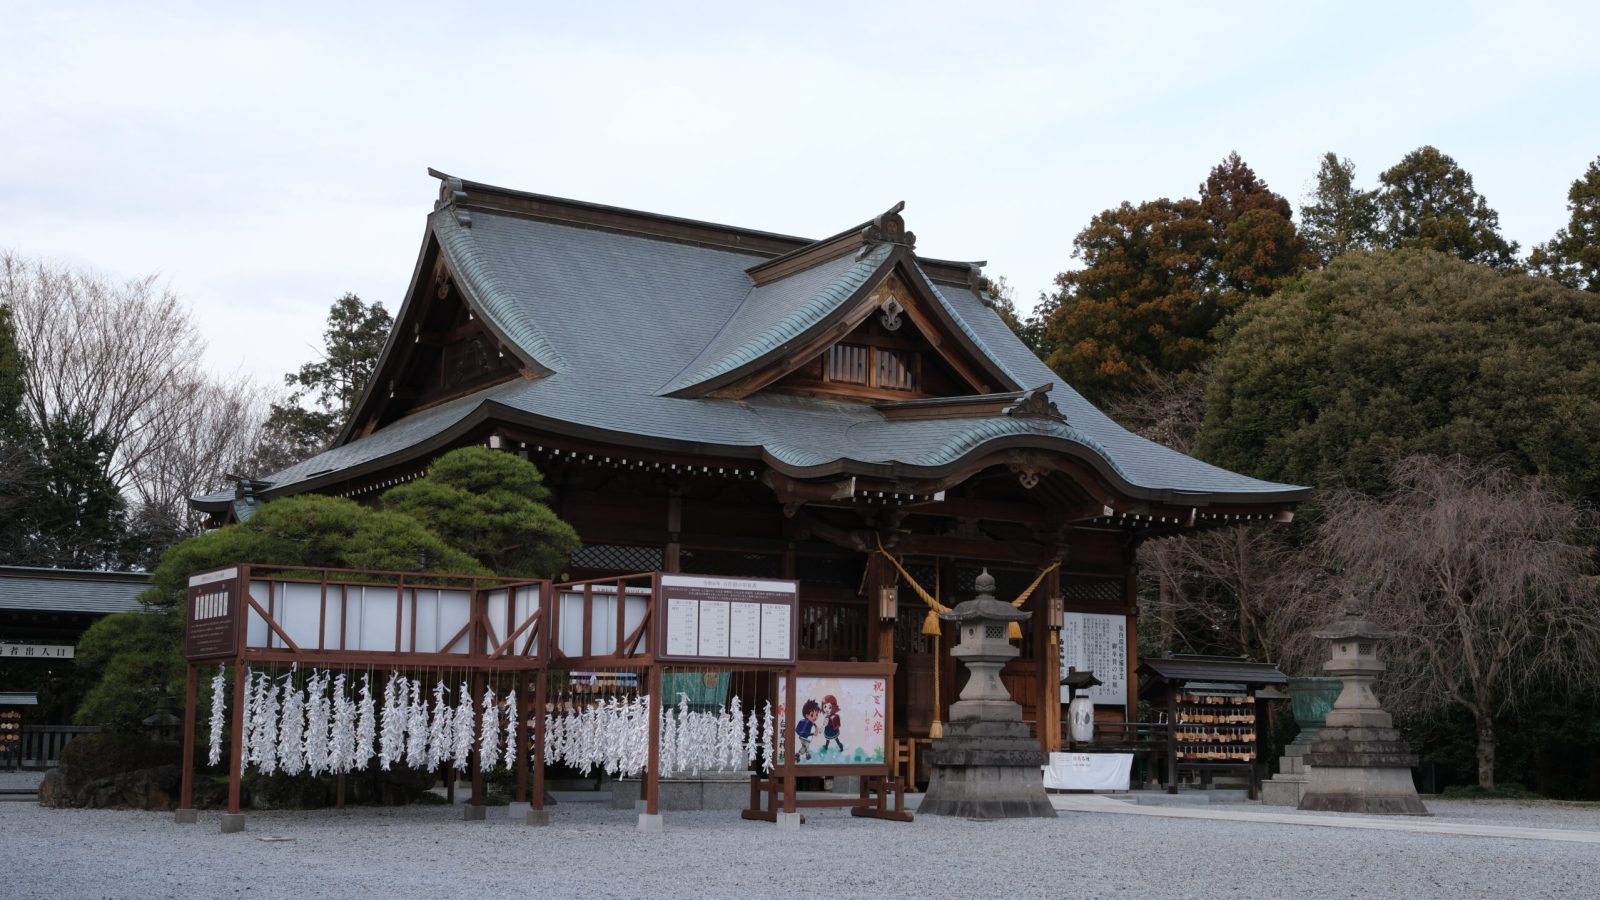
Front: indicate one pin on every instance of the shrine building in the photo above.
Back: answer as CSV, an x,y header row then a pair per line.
x,y
715,400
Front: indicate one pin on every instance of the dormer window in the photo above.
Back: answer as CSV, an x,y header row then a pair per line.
x,y
875,367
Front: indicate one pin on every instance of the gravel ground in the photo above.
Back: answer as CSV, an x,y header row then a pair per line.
x,y
593,851
29,780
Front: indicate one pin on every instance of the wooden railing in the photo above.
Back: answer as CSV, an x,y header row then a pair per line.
x,y
40,746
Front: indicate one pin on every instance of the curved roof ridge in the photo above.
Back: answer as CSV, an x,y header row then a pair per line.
x,y
753,332
498,306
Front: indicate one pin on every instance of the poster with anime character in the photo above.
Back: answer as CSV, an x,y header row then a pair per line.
x,y
842,720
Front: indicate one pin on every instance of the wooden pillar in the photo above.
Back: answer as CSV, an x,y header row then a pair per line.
x,y
1049,654
541,699
477,718
191,700
1172,737
880,574
671,554
652,772
791,713
1130,599
519,742
236,745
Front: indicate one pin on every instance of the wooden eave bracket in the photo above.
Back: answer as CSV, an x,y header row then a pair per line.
x,y
794,493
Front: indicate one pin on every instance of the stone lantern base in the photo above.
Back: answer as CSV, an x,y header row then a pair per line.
x,y
1361,770
986,770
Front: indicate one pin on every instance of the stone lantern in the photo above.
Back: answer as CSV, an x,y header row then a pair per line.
x,y
1359,762
986,766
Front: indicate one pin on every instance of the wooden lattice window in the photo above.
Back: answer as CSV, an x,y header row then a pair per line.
x,y
878,367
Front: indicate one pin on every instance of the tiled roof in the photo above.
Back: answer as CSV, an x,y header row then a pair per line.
x,y
70,590
778,312
624,319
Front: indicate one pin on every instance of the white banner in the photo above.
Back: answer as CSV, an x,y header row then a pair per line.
x,y
37,651
1088,771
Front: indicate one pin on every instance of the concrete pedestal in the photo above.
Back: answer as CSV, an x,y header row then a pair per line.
x,y
537,818
186,816
714,790
986,770
1361,770
788,821
649,824
232,823
1286,787
516,810
470,813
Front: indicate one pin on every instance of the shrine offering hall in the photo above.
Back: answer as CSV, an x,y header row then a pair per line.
x,y
720,401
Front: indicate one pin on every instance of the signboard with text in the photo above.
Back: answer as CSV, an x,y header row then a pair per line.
x,y
750,621
211,618
37,651
1097,643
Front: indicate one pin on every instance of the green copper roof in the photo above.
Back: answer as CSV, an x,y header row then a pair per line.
x,y
623,320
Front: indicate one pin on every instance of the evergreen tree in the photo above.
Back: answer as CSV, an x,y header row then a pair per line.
x,y
1257,245
351,344
1382,355
1340,217
1572,257
490,504
1428,203
1159,277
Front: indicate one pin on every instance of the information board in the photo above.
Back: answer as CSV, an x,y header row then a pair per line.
x,y
212,615
1097,643
843,719
727,620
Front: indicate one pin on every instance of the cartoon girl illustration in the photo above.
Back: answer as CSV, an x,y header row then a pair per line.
x,y
806,728
830,722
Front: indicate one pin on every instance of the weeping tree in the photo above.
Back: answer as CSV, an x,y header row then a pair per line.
x,y
1482,574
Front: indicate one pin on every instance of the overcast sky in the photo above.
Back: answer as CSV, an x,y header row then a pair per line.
x,y
267,158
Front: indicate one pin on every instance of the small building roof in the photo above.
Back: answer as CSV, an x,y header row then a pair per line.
x,y
1192,667
32,589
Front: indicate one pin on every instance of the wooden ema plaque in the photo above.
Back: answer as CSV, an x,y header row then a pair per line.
x,y
739,621
211,617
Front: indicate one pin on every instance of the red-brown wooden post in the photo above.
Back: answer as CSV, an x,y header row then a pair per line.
x,y
652,774
541,700
236,749
787,723
519,744
191,700
476,763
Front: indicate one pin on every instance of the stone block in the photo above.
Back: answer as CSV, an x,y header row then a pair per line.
x,y
232,823
789,821
516,810
470,813
649,824
186,816
538,818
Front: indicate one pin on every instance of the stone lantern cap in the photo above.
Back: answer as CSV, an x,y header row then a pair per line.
x,y
1353,626
985,606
